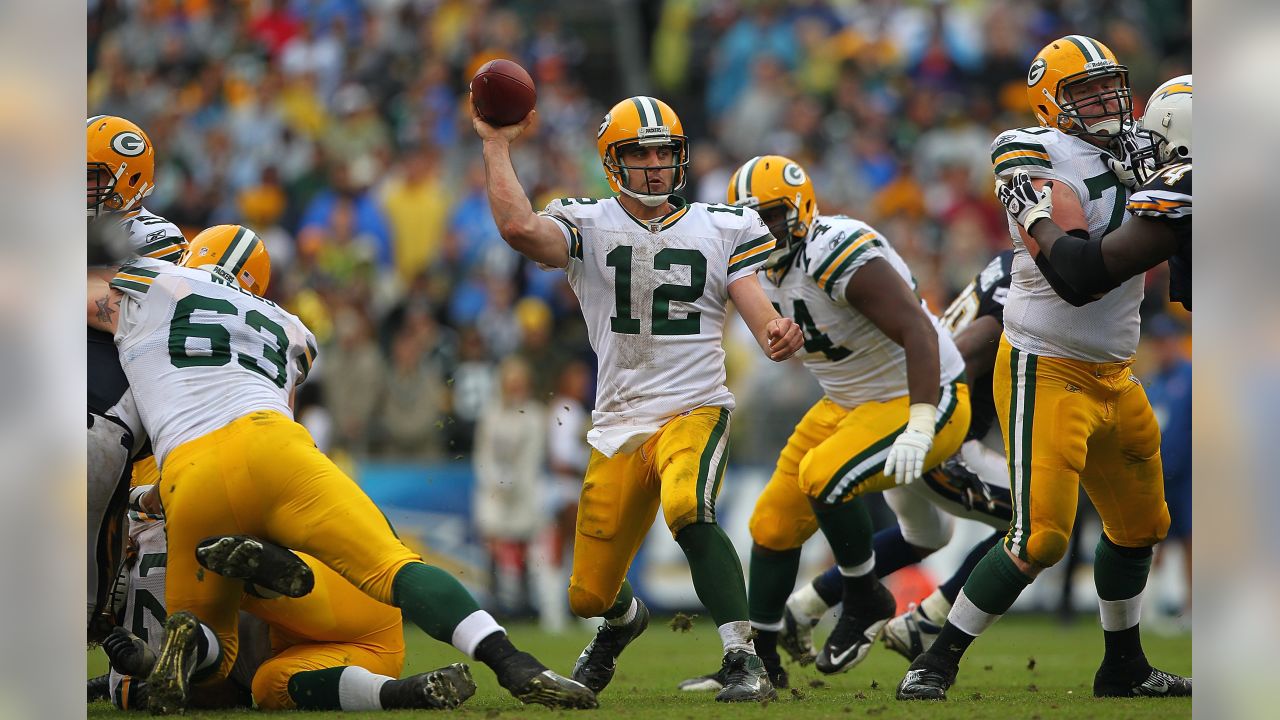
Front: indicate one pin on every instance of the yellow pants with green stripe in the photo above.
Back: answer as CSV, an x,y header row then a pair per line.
x,y
262,475
679,468
837,453
1068,423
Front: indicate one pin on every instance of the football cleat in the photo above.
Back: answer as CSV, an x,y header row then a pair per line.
x,y
854,635
169,685
745,679
1148,682
716,681
929,678
128,653
99,688
598,662
911,633
261,563
532,683
796,637
443,689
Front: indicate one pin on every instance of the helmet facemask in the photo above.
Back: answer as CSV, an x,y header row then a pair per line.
x,y
100,189
679,165
1088,115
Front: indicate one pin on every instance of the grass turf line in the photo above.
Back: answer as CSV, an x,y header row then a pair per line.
x,y
995,680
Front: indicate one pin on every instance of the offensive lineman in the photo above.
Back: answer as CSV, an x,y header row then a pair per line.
x,y
214,367
1160,157
1071,412
653,274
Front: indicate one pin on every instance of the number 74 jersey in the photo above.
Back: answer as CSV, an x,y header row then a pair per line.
x,y
200,352
653,293
1036,319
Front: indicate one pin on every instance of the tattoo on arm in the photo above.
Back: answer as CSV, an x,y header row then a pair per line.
x,y
105,311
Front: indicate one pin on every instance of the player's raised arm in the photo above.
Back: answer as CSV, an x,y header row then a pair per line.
x,y
537,238
779,337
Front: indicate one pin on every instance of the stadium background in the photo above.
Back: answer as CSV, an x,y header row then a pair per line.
x,y
339,130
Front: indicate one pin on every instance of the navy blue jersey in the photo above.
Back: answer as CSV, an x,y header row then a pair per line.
x,y
1167,198
983,297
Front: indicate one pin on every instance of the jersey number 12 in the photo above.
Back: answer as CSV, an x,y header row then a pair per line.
x,y
619,259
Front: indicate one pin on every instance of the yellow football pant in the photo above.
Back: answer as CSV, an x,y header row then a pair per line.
x,y
680,467
1068,422
836,453
262,475
333,626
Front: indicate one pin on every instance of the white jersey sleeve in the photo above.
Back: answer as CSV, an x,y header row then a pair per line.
x,y
838,248
152,236
199,352
751,246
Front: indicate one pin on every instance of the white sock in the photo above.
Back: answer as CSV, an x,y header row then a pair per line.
x,y
860,569
936,607
736,635
359,689
771,627
215,649
1120,614
626,617
807,604
968,618
475,627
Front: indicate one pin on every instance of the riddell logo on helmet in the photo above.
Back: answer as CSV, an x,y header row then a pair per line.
x,y
129,144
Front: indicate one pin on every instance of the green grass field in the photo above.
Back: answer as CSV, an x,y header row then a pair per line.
x,y
1025,667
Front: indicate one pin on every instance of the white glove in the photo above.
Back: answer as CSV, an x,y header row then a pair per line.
x,y
906,458
1021,200
1122,171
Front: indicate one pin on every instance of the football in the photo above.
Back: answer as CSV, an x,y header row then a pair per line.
x,y
503,92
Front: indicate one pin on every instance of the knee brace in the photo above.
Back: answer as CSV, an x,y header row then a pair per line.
x,y
1046,547
587,604
775,530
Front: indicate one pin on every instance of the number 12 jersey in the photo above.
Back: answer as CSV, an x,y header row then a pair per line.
x,y
653,293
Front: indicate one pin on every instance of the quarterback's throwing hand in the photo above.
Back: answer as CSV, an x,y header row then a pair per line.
x,y
784,338
1023,202
505,132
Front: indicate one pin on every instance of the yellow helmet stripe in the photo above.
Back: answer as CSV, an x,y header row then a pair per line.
x,y
744,178
1087,47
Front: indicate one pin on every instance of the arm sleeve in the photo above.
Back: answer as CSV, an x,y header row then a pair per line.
x,y
1076,270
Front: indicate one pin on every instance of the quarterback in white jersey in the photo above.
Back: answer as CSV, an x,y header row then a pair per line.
x,y
1071,411
653,274
214,366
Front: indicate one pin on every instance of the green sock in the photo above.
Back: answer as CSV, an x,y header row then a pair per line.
x,y
622,604
716,571
996,582
432,599
773,574
316,689
848,529
1119,572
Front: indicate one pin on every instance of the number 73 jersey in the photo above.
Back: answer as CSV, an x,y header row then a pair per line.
x,y
653,293
1036,320
200,352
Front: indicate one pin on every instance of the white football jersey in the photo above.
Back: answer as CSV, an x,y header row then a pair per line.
x,y
653,294
143,612
853,361
1036,320
153,236
200,352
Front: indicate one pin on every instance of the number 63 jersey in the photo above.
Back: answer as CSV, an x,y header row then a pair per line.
x,y
653,293
1036,320
200,352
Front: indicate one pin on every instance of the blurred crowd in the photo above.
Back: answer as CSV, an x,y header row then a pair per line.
x,y
340,131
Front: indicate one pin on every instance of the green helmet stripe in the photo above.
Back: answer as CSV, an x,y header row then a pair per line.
x,y
744,178
1086,48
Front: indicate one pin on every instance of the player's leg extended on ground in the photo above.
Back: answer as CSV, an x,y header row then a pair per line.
x,y
1124,480
618,503
108,490
780,524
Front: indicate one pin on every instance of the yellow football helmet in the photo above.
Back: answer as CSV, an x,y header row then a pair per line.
x,y
233,252
1069,61
780,190
122,165
647,122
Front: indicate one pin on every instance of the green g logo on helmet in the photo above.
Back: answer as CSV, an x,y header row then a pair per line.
x,y
793,175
